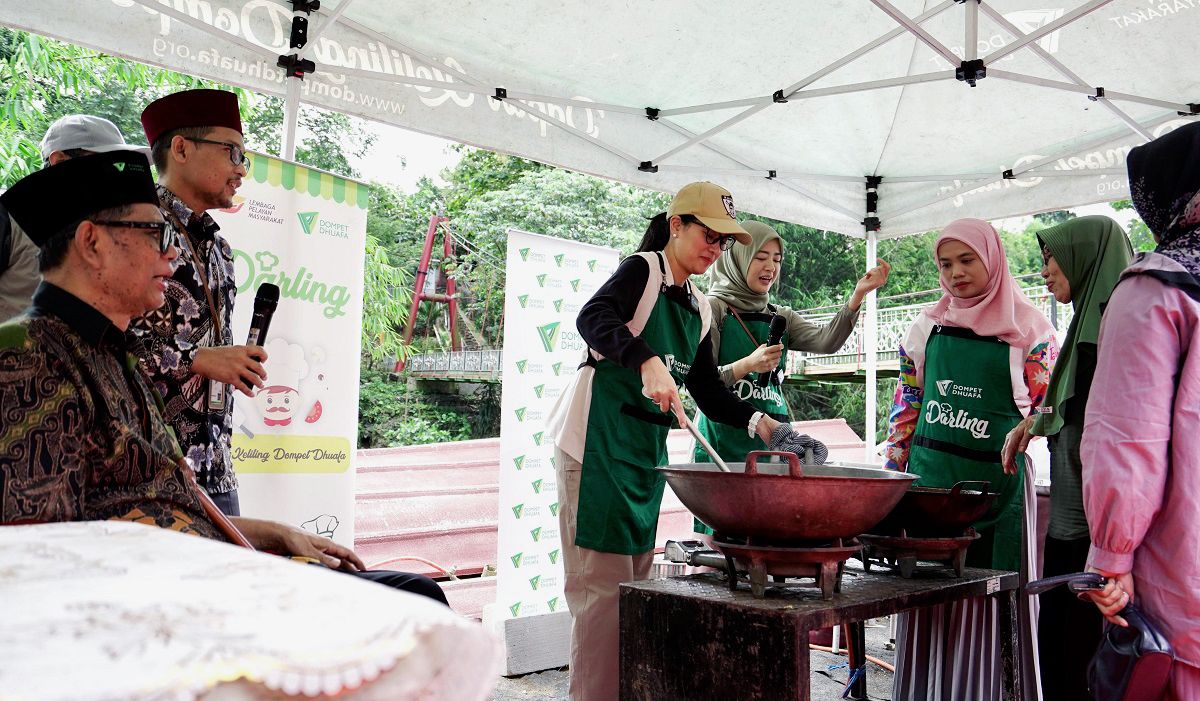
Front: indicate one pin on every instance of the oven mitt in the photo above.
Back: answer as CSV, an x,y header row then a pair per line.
x,y
785,439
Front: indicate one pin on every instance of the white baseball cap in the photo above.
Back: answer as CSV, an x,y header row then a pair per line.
x,y
87,132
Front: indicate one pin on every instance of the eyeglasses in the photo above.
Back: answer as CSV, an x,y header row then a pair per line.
x,y
237,154
160,229
725,241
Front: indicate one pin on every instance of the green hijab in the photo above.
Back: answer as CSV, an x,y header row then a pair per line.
x,y
729,272
1091,251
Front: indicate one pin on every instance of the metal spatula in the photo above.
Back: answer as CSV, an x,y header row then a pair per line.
x,y
705,444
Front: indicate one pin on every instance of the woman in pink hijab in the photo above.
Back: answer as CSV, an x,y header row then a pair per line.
x,y
972,366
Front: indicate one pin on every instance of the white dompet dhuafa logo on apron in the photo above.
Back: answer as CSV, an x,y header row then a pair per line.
x,y
939,413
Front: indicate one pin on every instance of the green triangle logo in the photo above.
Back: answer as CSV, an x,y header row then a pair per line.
x,y
549,334
558,259
520,414
537,486
551,462
552,604
523,299
533,581
518,509
591,265
558,305
541,280
553,554
516,559
307,219
524,253
514,608
536,533
575,285
557,367
519,461
554,509
538,389
120,166
521,366
537,437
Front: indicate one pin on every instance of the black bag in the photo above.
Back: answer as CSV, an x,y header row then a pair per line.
x,y
1131,664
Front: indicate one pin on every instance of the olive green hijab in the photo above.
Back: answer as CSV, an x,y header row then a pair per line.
x,y
1091,251
729,272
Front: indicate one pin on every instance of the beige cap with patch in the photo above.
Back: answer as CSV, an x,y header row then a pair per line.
x,y
712,205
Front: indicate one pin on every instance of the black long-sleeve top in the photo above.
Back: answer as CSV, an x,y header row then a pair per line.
x,y
602,324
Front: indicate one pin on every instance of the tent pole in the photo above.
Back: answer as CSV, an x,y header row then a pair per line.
x,y
291,114
967,186
870,386
915,28
1048,28
869,343
971,42
1059,66
843,61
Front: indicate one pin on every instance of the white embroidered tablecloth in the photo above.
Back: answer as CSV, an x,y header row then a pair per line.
x,y
108,611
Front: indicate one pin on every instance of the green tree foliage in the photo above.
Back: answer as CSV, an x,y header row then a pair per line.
x,y
1139,233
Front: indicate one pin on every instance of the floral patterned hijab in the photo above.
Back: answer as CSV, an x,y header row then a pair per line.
x,y
1164,183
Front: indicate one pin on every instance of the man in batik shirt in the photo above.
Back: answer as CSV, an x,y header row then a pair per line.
x,y
185,345
82,434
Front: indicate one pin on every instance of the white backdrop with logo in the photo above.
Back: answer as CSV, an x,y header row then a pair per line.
x,y
548,280
294,442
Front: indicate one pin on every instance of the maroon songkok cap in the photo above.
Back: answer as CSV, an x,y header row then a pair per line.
x,y
191,108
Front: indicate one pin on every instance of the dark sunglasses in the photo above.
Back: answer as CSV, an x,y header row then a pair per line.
x,y
159,229
237,154
725,241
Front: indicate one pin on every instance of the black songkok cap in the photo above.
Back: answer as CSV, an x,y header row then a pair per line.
x,y
45,202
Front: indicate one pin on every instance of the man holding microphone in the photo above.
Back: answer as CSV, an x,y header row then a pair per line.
x,y
186,346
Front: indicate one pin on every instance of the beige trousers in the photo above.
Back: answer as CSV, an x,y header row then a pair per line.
x,y
591,589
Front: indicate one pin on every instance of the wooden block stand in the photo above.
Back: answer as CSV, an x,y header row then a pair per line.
x,y
691,638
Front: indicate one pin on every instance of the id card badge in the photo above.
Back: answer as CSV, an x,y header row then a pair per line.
x,y
216,396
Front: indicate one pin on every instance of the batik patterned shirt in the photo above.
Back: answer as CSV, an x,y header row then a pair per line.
x,y
82,434
166,341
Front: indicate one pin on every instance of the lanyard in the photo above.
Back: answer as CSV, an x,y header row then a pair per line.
x,y
744,327
203,270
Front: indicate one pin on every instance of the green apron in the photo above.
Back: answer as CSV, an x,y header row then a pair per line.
x,y
967,411
620,491
732,442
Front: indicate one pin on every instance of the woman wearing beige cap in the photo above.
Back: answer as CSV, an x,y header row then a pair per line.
x,y
647,331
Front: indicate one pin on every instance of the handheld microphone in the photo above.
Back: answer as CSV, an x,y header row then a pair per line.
x,y
265,302
774,336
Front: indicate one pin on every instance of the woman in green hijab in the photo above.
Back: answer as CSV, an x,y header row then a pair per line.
x,y
741,314
1083,259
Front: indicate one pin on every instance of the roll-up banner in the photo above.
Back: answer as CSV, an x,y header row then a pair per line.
x,y
294,442
548,280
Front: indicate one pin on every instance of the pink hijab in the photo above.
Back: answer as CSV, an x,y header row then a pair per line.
x,y
1002,310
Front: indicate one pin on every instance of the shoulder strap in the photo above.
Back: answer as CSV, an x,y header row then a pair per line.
x,y
654,283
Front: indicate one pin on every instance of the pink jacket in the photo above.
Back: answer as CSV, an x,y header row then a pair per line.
x,y
1141,449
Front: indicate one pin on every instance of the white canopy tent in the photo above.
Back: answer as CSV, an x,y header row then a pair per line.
x,y
872,118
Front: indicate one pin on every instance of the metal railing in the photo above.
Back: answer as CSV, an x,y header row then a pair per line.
x,y
892,326
475,365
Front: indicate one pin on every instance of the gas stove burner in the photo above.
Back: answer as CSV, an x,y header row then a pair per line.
x,y
905,554
820,562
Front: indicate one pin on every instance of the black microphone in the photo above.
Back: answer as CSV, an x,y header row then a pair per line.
x,y
774,336
265,302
